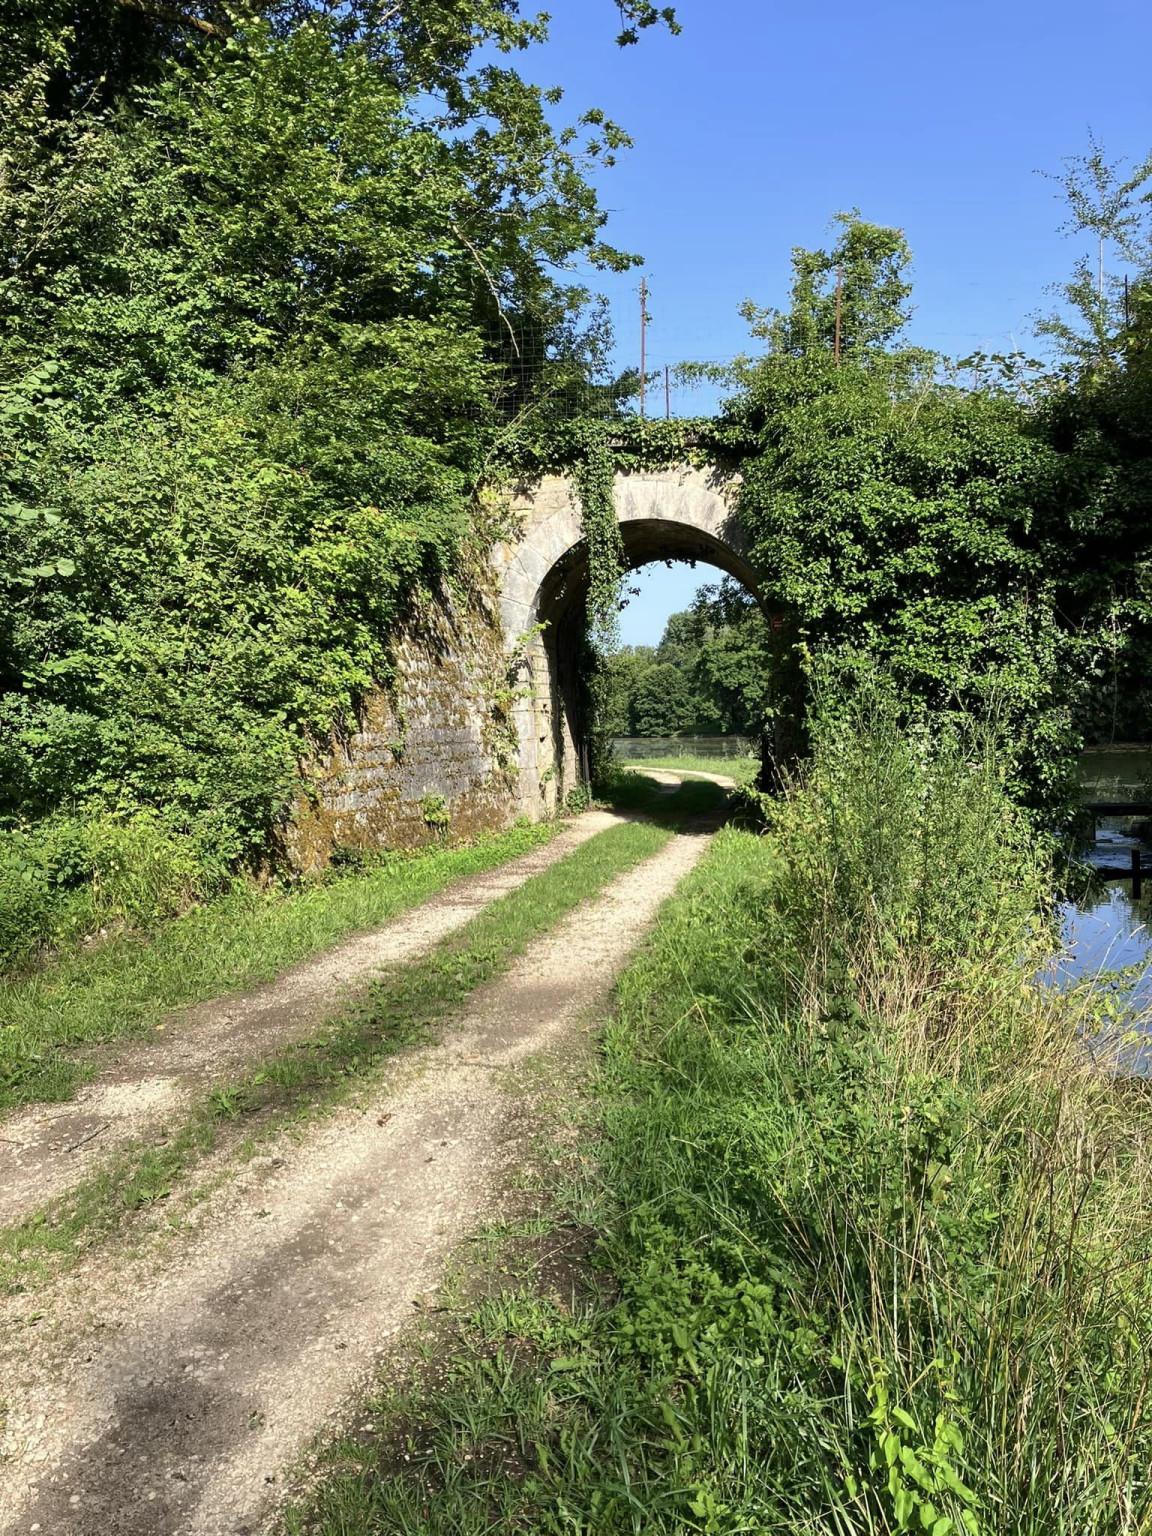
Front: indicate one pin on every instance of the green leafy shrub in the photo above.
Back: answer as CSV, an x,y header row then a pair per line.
x,y
69,876
434,810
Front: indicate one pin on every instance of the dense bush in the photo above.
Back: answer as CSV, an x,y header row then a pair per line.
x,y
881,1230
982,535
905,522
267,298
71,876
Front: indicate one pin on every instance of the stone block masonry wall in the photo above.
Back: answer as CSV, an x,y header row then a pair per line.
x,y
433,756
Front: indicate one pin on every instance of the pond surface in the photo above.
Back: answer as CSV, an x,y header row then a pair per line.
x,y
1106,932
647,748
1116,773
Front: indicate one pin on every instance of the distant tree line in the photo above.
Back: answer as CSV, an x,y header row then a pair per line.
x,y
712,672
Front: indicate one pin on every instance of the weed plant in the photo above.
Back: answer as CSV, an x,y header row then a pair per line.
x,y
873,1234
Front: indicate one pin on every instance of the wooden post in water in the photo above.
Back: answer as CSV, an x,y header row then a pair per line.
x,y
1137,875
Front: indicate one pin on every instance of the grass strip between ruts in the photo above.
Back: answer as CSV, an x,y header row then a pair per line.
x,y
307,1077
124,986
532,1393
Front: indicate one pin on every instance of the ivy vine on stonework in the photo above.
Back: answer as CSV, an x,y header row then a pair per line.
x,y
594,474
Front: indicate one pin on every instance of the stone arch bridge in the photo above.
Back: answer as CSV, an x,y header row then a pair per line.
x,y
483,721
680,513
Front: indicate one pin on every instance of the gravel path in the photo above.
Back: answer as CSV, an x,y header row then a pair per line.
x,y
46,1149
673,778
167,1393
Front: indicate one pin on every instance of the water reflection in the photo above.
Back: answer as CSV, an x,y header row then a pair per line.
x,y
1116,773
1107,938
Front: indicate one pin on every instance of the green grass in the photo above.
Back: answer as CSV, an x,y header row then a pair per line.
x,y
741,769
871,1238
124,986
307,1077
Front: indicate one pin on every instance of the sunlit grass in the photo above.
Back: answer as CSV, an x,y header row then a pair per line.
x,y
307,1077
125,985
741,770
871,1236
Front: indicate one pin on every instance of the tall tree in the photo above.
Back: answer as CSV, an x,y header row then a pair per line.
x,y
1099,418
100,49
899,520
264,304
1105,302
845,301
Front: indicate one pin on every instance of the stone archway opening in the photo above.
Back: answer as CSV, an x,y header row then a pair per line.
x,y
562,615
483,721
680,514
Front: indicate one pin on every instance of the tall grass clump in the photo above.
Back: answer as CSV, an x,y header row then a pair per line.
x,y
72,876
966,1197
872,1234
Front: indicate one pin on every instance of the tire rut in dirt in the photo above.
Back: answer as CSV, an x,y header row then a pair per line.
x,y
177,1406
46,1150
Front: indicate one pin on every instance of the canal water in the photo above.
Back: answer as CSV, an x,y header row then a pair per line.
x,y
1107,936
1105,930
1116,773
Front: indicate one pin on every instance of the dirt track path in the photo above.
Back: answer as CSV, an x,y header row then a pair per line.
x,y
168,1400
673,778
47,1149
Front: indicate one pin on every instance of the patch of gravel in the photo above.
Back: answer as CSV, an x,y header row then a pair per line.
x,y
673,777
47,1149
170,1399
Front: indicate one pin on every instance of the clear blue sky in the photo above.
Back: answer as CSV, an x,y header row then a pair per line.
x,y
763,119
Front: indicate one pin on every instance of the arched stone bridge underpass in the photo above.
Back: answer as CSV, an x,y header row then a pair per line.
x,y
680,513
483,721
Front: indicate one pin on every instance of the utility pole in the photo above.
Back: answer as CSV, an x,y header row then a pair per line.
x,y
839,302
643,340
667,395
